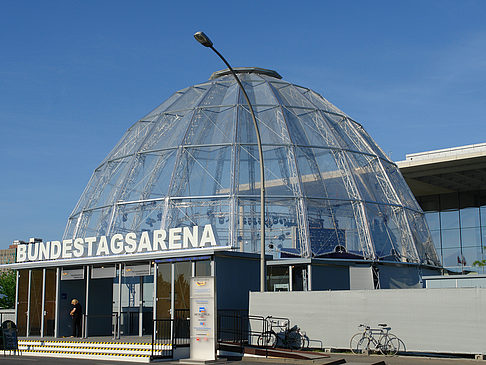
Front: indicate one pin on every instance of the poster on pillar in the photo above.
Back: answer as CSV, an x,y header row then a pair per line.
x,y
203,318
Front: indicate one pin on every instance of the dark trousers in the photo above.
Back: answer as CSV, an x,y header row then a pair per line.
x,y
77,326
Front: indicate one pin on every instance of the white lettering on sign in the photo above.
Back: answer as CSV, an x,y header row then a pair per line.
x,y
160,240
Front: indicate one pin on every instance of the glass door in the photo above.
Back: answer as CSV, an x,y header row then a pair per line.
x,y
164,290
50,302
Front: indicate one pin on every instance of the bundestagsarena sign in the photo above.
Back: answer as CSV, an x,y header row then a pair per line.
x,y
119,244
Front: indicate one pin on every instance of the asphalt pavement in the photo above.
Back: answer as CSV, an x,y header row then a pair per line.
x,y
350,359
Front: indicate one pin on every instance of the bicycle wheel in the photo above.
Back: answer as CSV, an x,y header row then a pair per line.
x,y
393,345
389,345
267,339
357,342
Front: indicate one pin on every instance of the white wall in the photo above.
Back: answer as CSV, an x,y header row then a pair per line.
x,y
428,320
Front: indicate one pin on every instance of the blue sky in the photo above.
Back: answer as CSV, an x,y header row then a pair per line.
x,y
74,75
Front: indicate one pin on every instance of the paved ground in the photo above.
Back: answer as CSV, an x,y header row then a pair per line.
x,y
398,360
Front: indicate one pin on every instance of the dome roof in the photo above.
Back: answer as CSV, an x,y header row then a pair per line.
x,y
193,160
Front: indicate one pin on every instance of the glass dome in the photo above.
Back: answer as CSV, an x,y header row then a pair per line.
x,y
193,160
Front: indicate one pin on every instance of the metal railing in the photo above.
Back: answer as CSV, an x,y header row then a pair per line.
x,y
237,328
168,334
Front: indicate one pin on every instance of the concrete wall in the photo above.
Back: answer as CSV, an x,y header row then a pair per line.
x,y
426,320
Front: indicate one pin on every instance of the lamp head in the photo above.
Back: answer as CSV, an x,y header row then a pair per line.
x,y
203,39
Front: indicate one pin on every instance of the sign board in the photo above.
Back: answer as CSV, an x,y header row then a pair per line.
x,y
173,239
72,274
203,318
9,335
137,269
103,272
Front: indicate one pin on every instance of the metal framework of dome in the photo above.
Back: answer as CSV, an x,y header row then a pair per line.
x,y
330,190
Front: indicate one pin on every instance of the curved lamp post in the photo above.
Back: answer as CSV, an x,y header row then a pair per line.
x,y
206,42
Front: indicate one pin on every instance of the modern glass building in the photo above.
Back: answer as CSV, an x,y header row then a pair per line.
x,y
449,185
194,161
179,197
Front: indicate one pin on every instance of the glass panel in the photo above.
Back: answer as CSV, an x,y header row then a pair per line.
x,y
449,219
35,302
106,191
332,222
364,171
168,132
203,268
182,279
138,217
319,173
421,235
469,217
148,177
470,237
189,212
130,305
401,188
211,126
148,304
278,278
483,216
191,97
271,125
451,238
432,220
131,140
50,302
280,178
452,257
94,222
436,238
202,172
315,127
299,278
259,92
386,233
248,170
470,255
282,236
291,96
22,303
164,279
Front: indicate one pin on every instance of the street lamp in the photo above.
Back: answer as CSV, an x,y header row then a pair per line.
x,y
206,42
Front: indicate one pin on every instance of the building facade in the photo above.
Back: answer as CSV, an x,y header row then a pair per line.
x,y
450,186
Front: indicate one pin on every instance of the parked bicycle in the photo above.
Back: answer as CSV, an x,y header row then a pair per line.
x,y
286,337
377,339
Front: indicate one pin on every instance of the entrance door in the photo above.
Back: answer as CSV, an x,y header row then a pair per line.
x,y
36,285
164,290
137,300
50,302
22,302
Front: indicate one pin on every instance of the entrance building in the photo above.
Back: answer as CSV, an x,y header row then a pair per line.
x,y
124,297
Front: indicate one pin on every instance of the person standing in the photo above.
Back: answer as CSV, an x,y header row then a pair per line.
x,y
76,314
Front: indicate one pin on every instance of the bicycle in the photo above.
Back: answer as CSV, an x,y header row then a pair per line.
x,y
380,338
287,337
